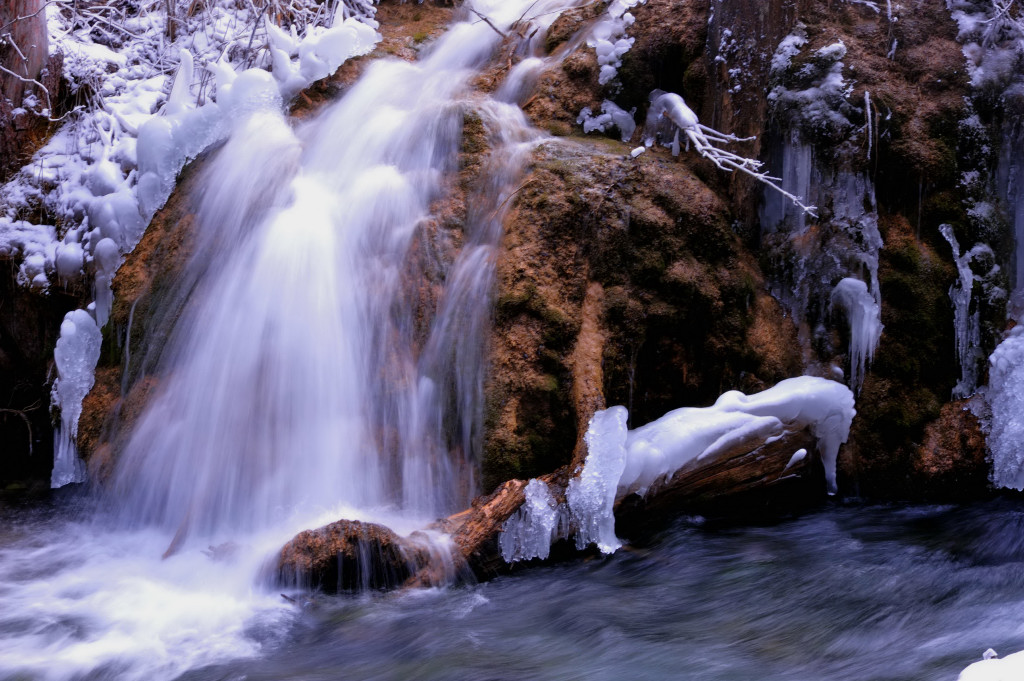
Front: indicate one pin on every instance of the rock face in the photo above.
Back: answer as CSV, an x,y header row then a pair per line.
x,y
645,281
675,250
952,454
620,281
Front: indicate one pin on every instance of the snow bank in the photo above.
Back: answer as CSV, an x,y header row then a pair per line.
x,y
107,171
1009,668
620,462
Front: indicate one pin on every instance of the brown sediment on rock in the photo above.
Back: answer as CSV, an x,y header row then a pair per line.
x,y
913,371
952,456
585,364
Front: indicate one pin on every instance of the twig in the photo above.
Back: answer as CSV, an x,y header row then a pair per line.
x,y
31,81
488,22
28,424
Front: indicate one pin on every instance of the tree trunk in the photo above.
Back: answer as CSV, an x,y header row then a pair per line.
x,y
23,48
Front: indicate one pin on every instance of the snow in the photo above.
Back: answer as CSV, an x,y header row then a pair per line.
x,y
991,668
106,172
787,49
864,315
798,456
611,116
621,462
535,526
609,38
689,435
76,354
813,96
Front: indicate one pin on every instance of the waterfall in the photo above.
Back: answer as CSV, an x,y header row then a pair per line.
x,y
295,380
326,361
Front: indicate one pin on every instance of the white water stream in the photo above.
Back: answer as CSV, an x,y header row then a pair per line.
x,y
298,387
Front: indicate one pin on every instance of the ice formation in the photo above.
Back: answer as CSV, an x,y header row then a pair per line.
x,y
966,324
612,115
865,318
538,523
591,495
125,156
609,38
621,462
1006,399
76,354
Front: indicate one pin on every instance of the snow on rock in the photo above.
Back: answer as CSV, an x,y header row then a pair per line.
x,y
611,116
864,315
538,523
684,436
76,354
591,495
992,668
814,95
609,38
621,462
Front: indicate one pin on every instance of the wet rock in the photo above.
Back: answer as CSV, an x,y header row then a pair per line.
x,y
348,555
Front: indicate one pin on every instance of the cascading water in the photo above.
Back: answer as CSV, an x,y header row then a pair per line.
x,y
298,385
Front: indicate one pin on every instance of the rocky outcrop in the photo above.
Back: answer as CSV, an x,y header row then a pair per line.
x,y
620,281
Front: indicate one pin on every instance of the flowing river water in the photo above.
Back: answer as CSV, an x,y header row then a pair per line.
x,y
854,593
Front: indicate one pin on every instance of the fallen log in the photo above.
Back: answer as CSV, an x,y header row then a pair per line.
x,y
349,555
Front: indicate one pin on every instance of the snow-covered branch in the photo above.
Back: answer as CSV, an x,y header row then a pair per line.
x,y
668,106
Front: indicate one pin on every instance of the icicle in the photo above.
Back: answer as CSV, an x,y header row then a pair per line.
x,y
864,315
867,115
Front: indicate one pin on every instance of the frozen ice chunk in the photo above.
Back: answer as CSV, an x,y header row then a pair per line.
x,y
591,495
612,115
76,355
1006,399
534,527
